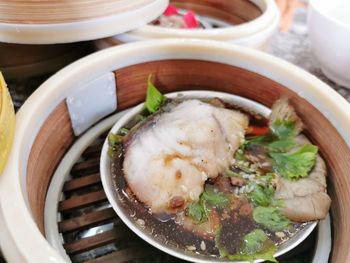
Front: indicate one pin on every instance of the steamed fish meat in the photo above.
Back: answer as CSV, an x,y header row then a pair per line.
x,y
169,158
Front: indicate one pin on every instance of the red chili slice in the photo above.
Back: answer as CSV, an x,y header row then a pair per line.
x,y
256,130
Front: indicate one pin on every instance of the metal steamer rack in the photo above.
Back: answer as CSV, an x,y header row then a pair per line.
x,y
81,223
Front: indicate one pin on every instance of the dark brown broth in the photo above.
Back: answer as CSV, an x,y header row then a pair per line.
x,y
166,230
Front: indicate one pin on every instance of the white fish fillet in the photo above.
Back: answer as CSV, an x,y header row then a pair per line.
x,y
167,163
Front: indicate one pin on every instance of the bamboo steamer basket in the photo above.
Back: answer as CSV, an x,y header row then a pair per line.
x,y
50,22
176,65
7,123
246,22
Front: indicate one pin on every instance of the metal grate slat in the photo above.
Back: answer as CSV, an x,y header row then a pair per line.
x,y
82,201
125,255
87,220
82,182
98,240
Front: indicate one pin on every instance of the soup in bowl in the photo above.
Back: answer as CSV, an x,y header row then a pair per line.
x,y
205,175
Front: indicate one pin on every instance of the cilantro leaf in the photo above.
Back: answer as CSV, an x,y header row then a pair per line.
x,y
284,133
253,242
254,245
215,199
271,218
261,196
267,255
257,140
283,129
281,145
297,164
281,137
154,98
200,210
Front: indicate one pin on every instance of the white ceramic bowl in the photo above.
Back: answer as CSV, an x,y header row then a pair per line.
x,y
256,33
144,233
329,32
24,183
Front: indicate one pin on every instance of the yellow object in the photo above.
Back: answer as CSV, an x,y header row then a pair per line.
x,y
7,123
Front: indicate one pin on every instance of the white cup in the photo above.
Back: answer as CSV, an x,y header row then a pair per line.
x,y
329,32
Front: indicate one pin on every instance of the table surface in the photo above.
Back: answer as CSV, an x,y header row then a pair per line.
x,y
294,47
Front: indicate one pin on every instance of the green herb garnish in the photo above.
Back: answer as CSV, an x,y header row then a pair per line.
x,y
199,212
222,250
257,242
283,129
281,145
261,196
209,199
289,162
284,133
297,164
231,173
254,245
123,131
114,140
271,218
214,199
257,140
154,98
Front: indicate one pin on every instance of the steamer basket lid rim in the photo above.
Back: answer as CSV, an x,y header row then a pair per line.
x,y
131,16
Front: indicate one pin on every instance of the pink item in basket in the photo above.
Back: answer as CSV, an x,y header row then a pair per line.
x,y
191,20
172,18
170,11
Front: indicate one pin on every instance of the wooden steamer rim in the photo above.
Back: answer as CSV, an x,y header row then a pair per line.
x,y
51,22
24,242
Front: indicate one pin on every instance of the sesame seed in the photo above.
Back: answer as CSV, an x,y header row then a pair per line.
x,y
280,234
191,248
203,246
140,222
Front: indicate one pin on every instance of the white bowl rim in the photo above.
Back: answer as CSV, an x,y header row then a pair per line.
x,y
25,239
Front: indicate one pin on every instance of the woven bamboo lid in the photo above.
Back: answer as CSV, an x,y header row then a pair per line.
x,y
54,21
